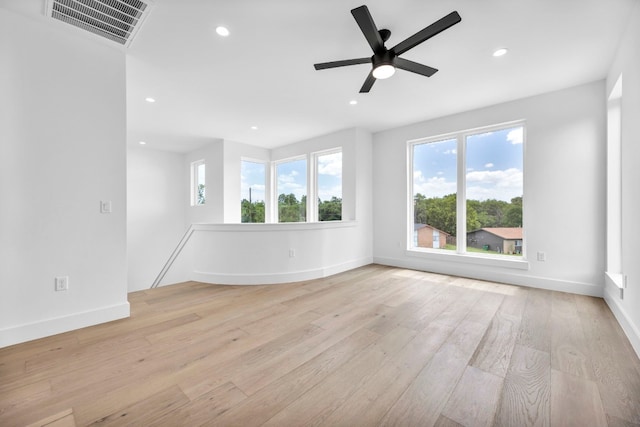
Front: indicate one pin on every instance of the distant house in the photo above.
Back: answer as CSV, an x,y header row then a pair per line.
x,y
426,236
506,240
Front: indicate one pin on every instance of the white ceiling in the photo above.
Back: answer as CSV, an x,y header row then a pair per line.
x,y
262,75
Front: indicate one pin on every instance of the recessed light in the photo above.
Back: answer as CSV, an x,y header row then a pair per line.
x,y
149,99
222,31
500,52
353,102
254,127
142,143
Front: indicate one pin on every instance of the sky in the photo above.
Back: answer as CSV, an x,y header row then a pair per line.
x,y
252,175
493,168
292,178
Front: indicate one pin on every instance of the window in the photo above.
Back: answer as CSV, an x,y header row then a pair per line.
x,y
252,191
291,190
198,187
466,191
329,185
434,193
614,184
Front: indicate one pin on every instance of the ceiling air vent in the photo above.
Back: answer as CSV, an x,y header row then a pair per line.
x,y
116,20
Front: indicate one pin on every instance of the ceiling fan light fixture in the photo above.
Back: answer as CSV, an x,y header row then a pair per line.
x,y
384,71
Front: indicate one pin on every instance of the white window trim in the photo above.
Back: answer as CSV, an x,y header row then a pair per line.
x,y
461,253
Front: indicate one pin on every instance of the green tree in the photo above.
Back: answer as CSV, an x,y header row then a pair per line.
x,y
252,212
290,209
201,194
513,215
330,210
473,223
441,213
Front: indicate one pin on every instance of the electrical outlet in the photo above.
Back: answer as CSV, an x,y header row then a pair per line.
x,y
292,253
542,256
62,283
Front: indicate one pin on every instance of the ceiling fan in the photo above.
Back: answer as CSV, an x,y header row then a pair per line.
x,y
385,61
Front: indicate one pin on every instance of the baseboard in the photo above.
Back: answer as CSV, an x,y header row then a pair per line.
x,y
57,325
273,278
512,277
612,298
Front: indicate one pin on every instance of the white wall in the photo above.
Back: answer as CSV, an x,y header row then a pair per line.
x,y
564,190
157,193
627,63
62,151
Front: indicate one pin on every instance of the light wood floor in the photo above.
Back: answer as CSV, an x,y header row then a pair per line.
x,y
372,346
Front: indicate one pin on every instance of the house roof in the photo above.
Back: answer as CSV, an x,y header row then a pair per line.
x,y
507,233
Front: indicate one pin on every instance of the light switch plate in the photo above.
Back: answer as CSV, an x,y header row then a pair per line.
x,y
105,206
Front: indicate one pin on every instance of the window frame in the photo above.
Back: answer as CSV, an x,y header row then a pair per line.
x,y
461,253
267,194
613,262
195,182
313,208
274,208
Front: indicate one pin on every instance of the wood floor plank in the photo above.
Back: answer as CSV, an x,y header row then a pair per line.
x,y
569,352
377,345
575,401
493,354
446,422
425,398
62,419
368,404
474,400
147,410
317,404
613,365
267,402
203,409
251,380
525,397
535,328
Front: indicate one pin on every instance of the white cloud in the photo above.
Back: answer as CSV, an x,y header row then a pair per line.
x,y
483,135
330,164
488,165
288,184
501,184
452,151
432,187
516,136
440,173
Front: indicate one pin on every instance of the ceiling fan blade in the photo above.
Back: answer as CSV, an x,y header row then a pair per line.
x,y
426,33
414,67
366,87
334,64
368,27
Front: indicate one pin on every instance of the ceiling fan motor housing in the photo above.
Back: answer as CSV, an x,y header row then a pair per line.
x,y
384,58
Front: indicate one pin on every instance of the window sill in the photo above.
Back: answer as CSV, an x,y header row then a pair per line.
x,y
468,258
279,226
